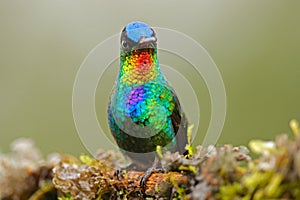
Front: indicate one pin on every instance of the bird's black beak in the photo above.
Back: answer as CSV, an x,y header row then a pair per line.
x,y
144,41
147,40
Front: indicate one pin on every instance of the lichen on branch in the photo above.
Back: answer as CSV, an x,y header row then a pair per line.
x,y
222,172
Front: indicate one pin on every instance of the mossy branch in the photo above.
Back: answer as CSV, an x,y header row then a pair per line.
x,y
223,172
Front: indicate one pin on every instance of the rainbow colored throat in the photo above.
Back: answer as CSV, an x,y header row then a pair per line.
x,y
138,66
143,94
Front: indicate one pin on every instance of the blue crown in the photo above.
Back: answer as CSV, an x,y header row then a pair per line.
x,y
136,30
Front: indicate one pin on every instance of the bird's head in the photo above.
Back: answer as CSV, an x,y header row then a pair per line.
x,y
137,36
138,57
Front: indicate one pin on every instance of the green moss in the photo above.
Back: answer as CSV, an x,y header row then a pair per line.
x,y
224,172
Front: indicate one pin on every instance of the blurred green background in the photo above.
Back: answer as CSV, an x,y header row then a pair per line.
x,y
255,44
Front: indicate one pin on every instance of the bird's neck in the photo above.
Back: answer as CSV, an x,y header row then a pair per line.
x,y
139,66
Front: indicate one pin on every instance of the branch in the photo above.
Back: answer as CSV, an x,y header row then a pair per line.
x,y
161,182
88,181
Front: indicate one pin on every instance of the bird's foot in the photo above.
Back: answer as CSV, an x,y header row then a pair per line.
x,y
119,173
147,174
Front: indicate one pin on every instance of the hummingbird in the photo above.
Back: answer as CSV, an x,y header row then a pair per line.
x,y
144,111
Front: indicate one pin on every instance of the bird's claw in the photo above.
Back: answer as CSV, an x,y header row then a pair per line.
x,y
119,173
147,174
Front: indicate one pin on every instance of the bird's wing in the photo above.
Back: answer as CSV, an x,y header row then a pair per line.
x,y
180,125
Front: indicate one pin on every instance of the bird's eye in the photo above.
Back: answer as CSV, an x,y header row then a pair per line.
x,y
124,44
